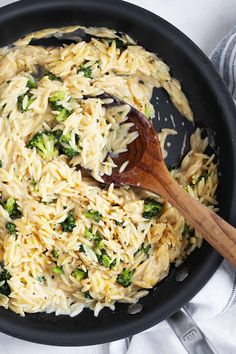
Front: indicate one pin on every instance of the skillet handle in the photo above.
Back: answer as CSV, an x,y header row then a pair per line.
x,y
189,334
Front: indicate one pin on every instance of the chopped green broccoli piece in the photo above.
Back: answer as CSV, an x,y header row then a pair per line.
x,y
5,275
57,106
98,242
63,114
93,214
58,96
24,102
57,270
51,76
119,223
86,70
81,248
0,163
97,236
120,44
68,144
32,84
98,247
87,295
12,209
144,249
104,259
151,208
57,134
125,278
113,264
55,253
88,234
91,236
11,227
69,223
45,143
97,239
79,274
5,288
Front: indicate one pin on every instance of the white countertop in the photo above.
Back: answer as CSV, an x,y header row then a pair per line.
x,y
206,22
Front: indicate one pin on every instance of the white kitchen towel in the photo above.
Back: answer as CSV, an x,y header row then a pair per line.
x,y
214,307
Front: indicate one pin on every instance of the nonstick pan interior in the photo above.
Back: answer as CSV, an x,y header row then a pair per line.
x,y
213,108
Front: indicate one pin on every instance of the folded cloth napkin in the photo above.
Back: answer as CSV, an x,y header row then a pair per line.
x,y
214,307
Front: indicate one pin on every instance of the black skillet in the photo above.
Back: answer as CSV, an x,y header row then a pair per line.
x,y
212,107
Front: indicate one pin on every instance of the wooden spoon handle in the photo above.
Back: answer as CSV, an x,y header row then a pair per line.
x,y
220,234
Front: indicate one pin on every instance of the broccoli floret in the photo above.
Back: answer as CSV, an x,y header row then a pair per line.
x,y
12,209
51,76
120,44
55,253
57,270
5,289
104,259
93,214
55,100
88,234
58,96
113,264
87,295
81,248
91,236
57,134
87,71
32,84
79,274
144,249
1,164
68,144
97,239
11,228
63,114
98,243
45,143
4,277
24,101
151,208
69,223
125,278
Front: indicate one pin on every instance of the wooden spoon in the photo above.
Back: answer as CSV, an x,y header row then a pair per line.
x,y
147,170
